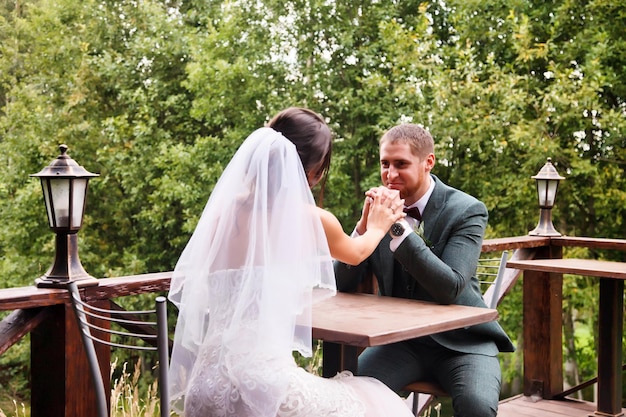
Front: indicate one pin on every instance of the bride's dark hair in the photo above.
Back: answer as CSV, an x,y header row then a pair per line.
x,y
312,137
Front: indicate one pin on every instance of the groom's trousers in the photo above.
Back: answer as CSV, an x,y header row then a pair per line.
x,y
472,380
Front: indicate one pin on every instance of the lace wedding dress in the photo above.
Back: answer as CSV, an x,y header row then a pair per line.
x,y
236,382
245,287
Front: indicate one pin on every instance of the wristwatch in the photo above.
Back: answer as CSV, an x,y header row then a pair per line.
x,y
396,229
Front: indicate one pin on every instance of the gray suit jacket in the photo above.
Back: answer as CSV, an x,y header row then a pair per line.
x,y
455,223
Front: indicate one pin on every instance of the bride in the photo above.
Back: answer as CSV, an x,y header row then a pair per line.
x,y
259,259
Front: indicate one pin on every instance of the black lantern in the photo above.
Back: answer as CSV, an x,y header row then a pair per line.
x,y
547,184
64,185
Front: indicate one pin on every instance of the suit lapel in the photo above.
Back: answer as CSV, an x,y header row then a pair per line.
x,y
433,208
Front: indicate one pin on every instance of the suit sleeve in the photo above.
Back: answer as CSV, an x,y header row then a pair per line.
x,y
447,267
348,277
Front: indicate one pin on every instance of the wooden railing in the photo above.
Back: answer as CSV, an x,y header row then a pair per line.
x,y
60,385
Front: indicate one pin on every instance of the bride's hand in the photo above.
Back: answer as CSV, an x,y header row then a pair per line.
x,y
385,208
361,225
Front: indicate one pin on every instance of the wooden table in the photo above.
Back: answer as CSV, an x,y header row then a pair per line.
x,y
611,321
347,322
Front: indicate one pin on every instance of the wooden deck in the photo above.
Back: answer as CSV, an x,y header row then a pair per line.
x,y
522,406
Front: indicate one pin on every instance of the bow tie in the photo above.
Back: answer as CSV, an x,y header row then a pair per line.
x,y
413,212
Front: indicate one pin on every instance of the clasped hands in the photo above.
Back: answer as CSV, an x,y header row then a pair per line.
x,y
382,208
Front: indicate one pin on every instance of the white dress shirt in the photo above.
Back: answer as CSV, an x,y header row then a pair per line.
x,y
409,223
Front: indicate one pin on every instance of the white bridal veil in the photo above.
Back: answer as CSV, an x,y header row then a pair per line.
x,y
252,269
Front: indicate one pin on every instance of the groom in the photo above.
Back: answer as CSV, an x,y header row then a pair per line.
x,y
431,255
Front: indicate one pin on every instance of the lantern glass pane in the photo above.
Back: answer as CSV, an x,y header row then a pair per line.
x,y
551,192
542,192
78,197
60,190
45,186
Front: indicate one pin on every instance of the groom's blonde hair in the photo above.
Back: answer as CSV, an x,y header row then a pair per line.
x,y
418,138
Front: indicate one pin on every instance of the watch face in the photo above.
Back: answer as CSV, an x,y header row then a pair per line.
x,y
396,229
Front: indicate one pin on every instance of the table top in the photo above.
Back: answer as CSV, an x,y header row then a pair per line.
x,y
370,320
589,267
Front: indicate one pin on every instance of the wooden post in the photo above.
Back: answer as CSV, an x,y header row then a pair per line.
x,y
47,361
610,350
61,382
543,322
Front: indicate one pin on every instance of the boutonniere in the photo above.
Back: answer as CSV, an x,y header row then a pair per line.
x,y
419,230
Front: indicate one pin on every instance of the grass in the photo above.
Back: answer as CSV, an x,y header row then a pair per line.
x,y
126,398
20,411
432,411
